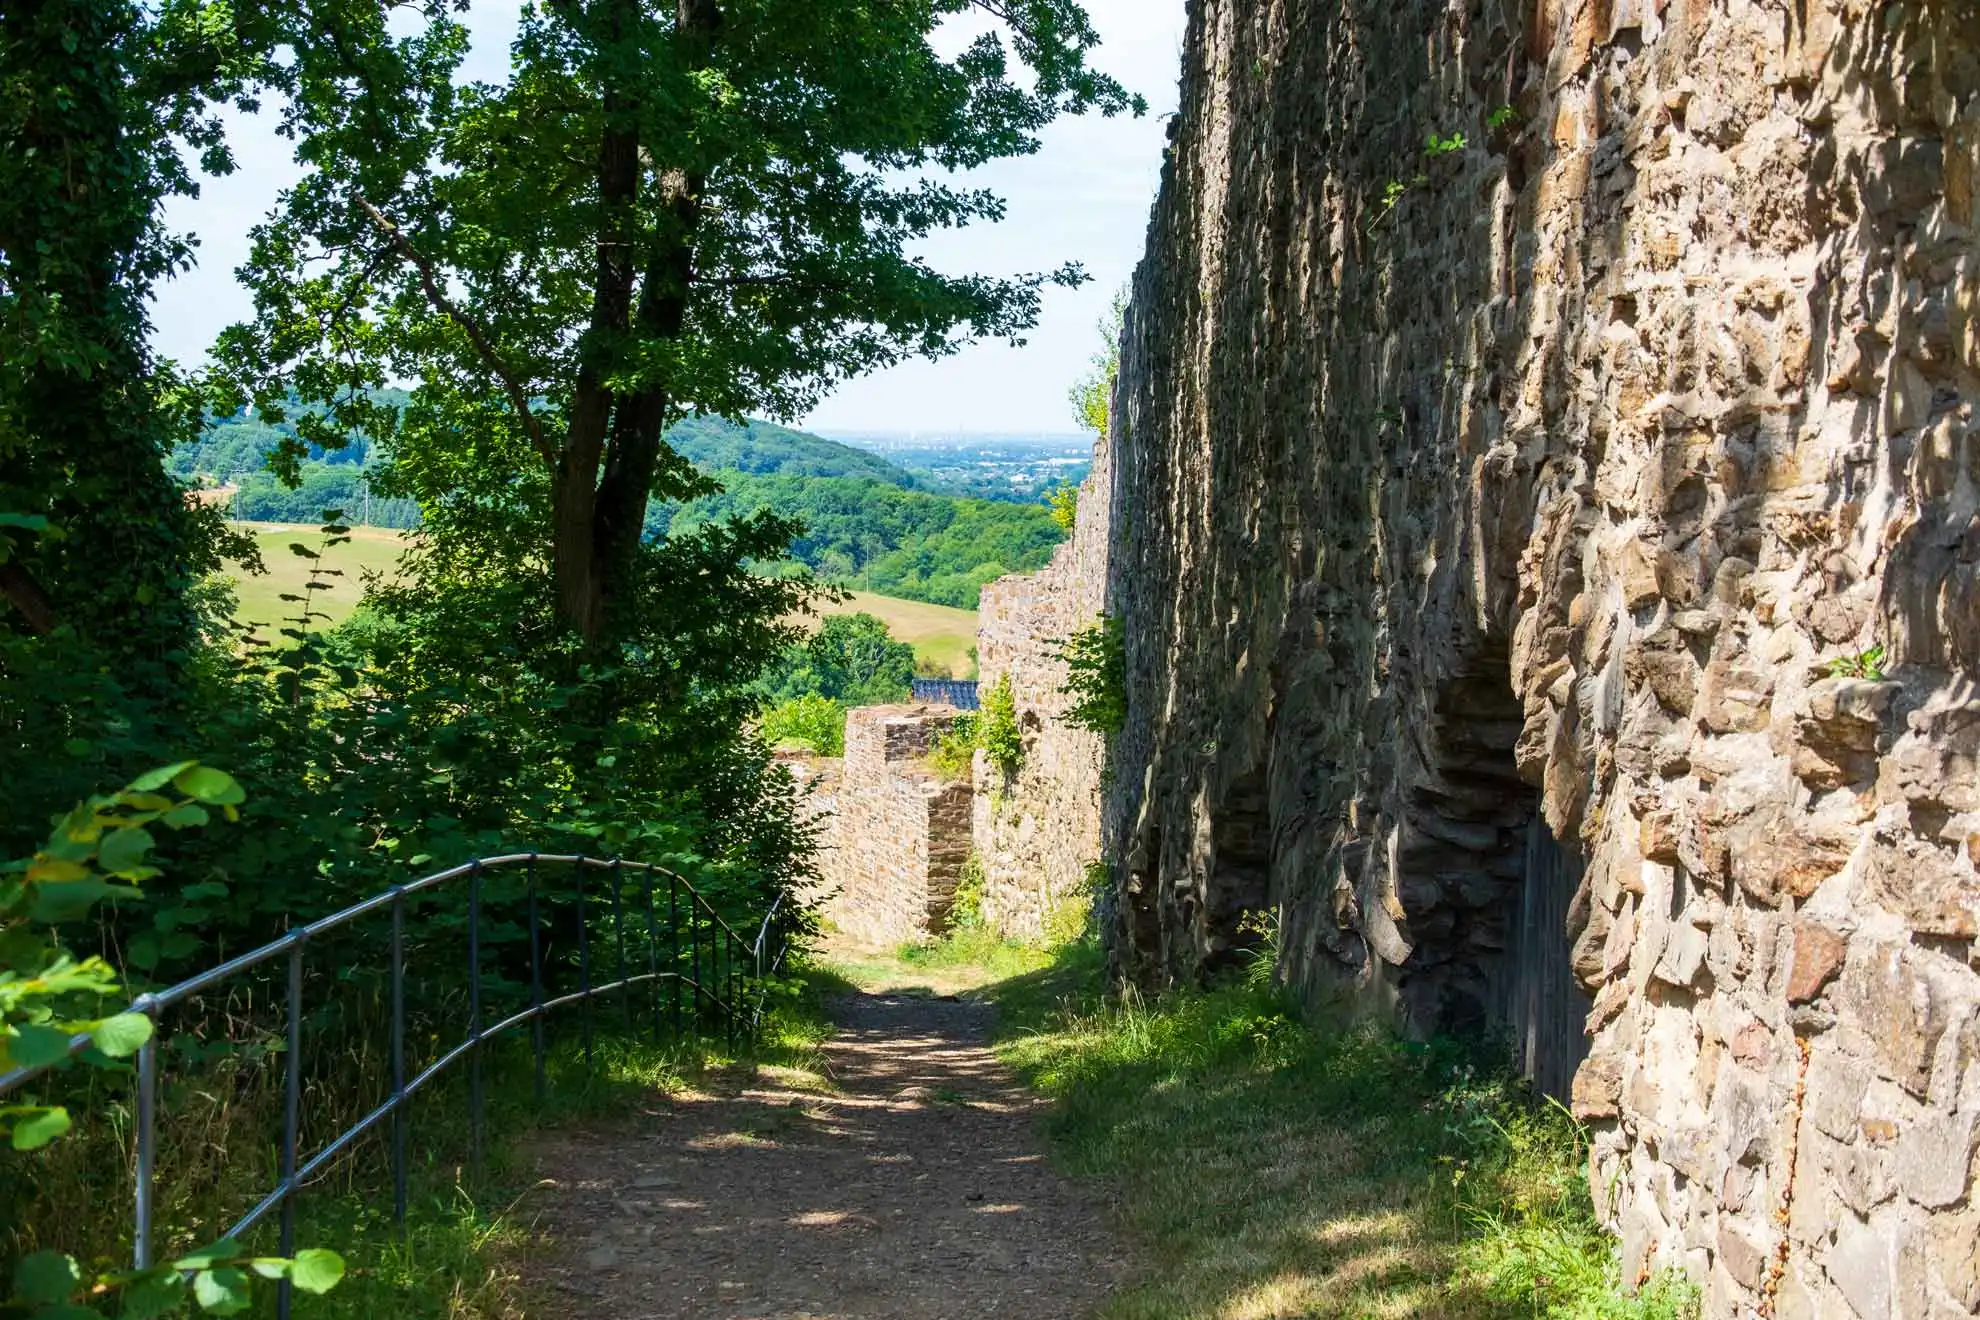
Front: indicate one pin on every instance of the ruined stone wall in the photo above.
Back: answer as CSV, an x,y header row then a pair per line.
x,y
1037,833
898,835
1579,473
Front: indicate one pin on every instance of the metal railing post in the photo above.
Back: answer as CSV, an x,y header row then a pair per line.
x,y
535,983
584,962
399,1117
477,1102
619,934
674,947
728,1016
652,965
147,1137
291,1121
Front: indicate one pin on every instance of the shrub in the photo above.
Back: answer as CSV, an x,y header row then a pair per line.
x,y
997,731
1096,676
808,723
954,752
966,908
1064,501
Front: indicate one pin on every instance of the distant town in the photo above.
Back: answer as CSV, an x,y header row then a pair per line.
x,y
1020,467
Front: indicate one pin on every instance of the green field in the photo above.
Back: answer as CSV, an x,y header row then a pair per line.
x,y
371,549
942,637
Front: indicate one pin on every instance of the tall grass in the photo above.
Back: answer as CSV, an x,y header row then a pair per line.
x,y
1276,1163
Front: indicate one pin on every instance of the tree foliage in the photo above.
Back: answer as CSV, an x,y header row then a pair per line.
x,y
872,535
1093,394
1096,676
692,206
852,659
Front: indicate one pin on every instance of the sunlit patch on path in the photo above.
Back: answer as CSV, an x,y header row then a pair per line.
x,y
911,1190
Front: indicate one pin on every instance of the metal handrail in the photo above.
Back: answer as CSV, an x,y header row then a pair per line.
x,y
728,984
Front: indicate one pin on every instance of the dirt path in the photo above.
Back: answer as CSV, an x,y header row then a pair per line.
x,y
916,1189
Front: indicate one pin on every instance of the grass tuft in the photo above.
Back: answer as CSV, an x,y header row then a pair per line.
x,y
1280,1165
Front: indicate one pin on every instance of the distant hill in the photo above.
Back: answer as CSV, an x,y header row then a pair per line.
x,y
869,524
764,449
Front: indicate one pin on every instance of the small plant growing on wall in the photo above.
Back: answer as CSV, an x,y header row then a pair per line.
x,y
1864,664
966,906
955,750
997,731
1064,503
1096,676
1435,147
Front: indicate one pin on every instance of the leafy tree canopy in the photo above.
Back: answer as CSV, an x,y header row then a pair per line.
x,y
852,659
691,206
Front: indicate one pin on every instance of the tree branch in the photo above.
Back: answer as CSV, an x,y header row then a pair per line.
x,y
483,345
27,597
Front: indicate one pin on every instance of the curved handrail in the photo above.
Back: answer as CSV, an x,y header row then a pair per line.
x,y
724,994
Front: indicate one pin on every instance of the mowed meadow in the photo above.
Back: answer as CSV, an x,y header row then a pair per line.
x,y
943,637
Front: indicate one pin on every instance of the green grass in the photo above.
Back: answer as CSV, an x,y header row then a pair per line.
x,y
944,638
371,549
1273,1165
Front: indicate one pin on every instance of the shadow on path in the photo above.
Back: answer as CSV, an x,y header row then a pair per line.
x,y
915,1188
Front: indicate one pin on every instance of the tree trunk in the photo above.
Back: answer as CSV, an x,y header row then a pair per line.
x,y
600,516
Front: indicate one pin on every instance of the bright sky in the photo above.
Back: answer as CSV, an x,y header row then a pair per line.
x,y
1084,197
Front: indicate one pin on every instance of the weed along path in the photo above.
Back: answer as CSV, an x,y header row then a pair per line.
x,y
910,1183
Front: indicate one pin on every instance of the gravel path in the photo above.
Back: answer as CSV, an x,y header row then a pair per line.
x,y
916,1190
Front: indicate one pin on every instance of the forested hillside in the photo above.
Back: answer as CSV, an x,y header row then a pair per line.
x,y
867,524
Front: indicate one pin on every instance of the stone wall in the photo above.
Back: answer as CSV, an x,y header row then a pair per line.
x,y
898,834
1576,475
1037,833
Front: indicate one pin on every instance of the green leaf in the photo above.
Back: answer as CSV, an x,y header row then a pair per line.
x,y
40,1127
223,1291
226,1249
122,1036
161,1294
270,1267
317,1269
35,1046
190,816
123,850
46,1276
154,780
214,787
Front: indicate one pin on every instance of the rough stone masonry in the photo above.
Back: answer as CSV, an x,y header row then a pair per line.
x,y
897,834
1544,478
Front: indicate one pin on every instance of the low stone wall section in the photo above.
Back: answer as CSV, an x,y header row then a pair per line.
x,y
898,837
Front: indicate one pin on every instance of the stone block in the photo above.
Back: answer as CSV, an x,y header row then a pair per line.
x,y
1833,1091
1775,855
1597,1089
1898,1009
1934,1159
1935,889
1744,1251
1818,956
1863,1268
1956,1254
